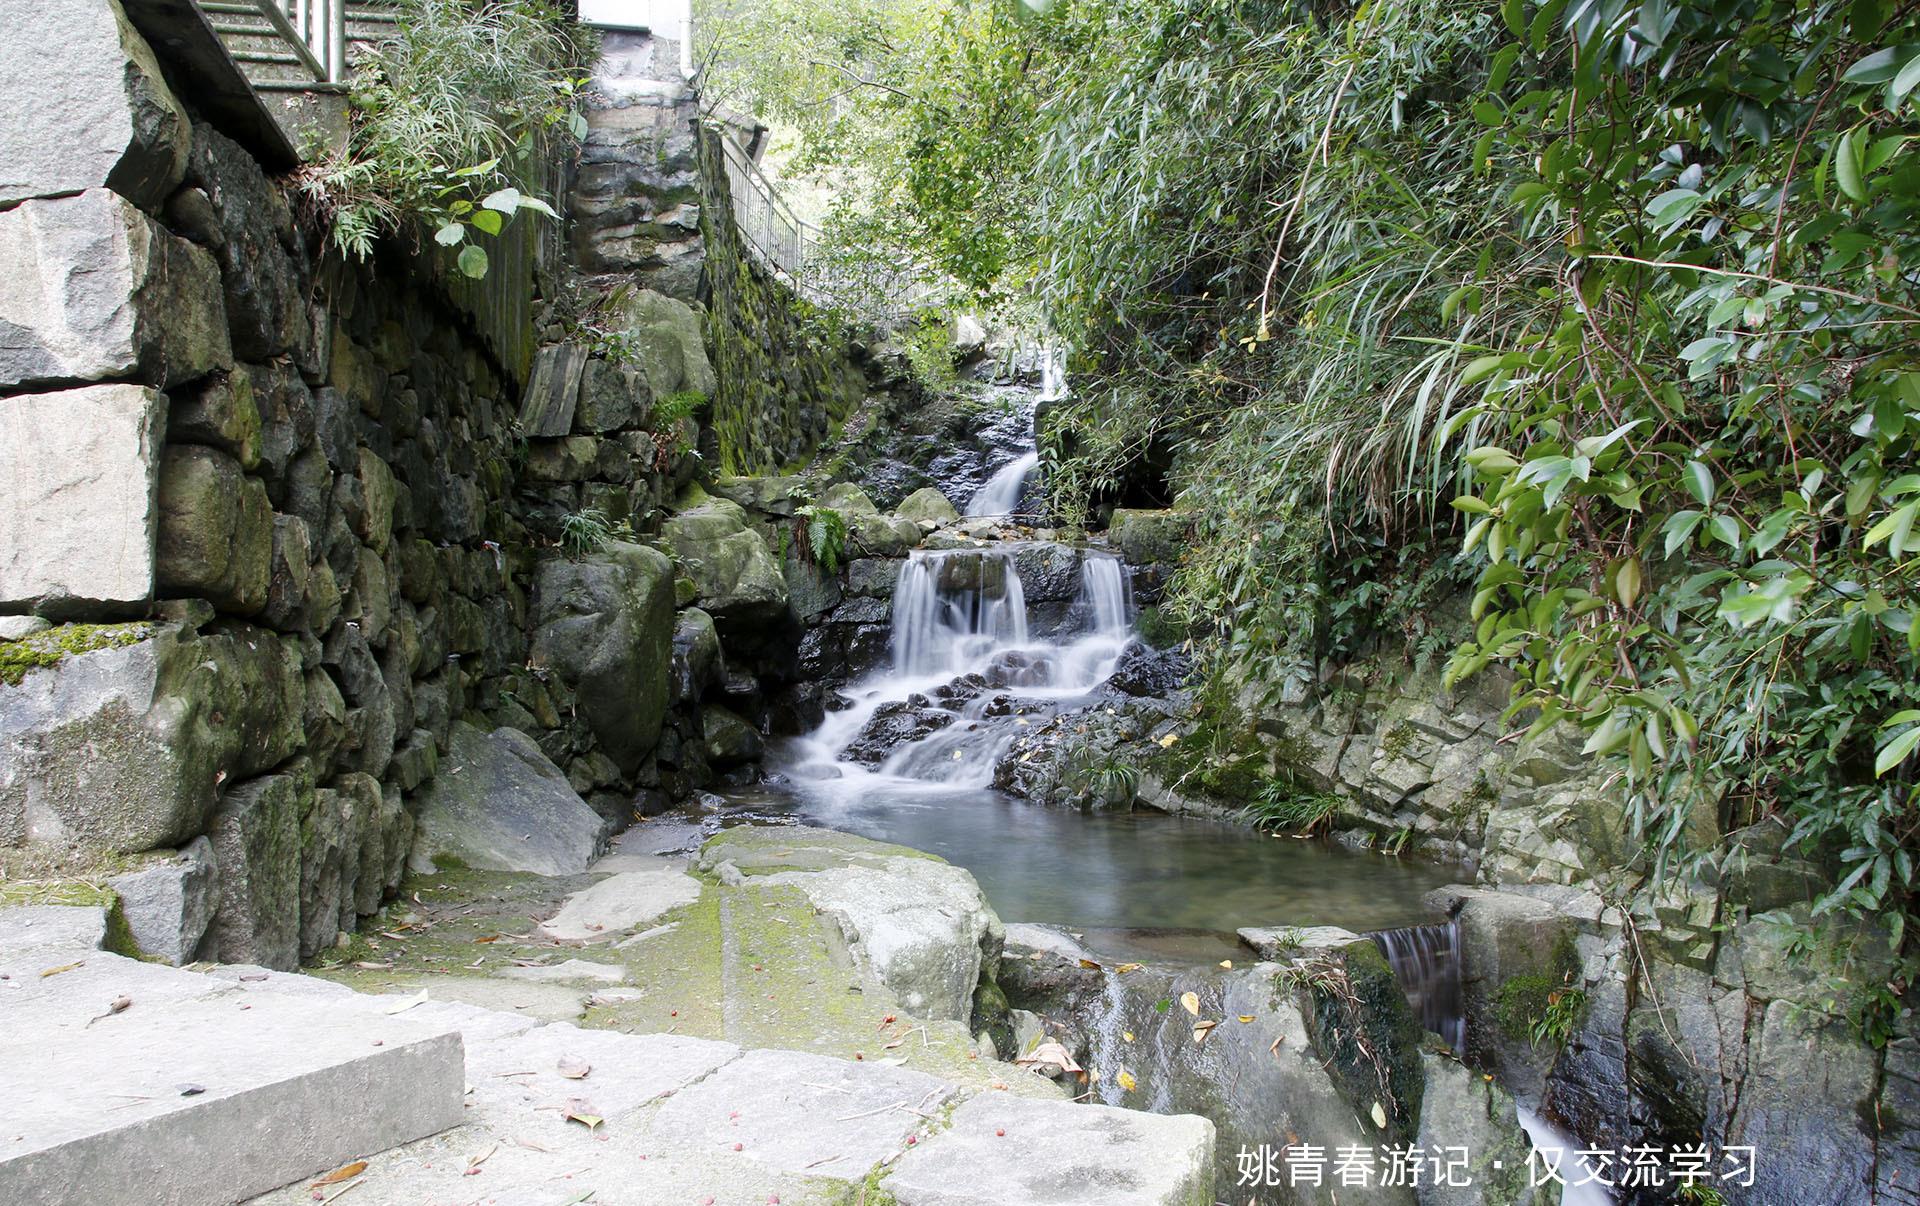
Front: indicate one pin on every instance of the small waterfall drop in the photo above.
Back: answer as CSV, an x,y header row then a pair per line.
x,y
1053,374
1001,495
966,672
1426,961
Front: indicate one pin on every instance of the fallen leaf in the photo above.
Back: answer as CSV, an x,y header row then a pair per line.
x,y
64,967
363,965
488,938
1126,1035
1190,1001
1227,963
1049,1053
573,1067
1127,1081
1089,964
582,1113
476,1161
1246,1018
1166,743
1124,968
406,1003
1202,1029
346,1172
1379,1116
892,1061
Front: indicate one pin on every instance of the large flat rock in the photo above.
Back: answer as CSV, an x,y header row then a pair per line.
x,y
1008,1151
197,1090
623,902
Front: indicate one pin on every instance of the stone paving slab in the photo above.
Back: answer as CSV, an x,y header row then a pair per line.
x,y
194,1090
1002,1150
797,1112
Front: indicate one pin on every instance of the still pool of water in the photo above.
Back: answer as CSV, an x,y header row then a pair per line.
x,y
1121,871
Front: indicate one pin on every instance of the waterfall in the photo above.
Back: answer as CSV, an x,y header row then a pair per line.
x,y
967,673
1053,374
1108,594
950,607
1426,961
1001,496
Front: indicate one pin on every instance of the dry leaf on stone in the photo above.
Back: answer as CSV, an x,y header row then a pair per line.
x,y
580,1111
1049,1053
64,967
1379,1116
1089,965
406,1003
1246,1019
1124,968
346,1172
1190,1001
1202,1029
1127,1081
574,1068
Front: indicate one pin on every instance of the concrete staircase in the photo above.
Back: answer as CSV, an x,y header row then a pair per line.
x,y
270,64
131,1083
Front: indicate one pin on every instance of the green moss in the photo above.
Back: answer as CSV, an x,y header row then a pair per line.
x,y
1543,1007
53,646
1396,741
1362,1027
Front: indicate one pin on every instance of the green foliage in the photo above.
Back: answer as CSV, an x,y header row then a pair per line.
x,y
52,646
667,425
929,352
1284,806
1544,1007
449,119
585,532
1103,778
825,532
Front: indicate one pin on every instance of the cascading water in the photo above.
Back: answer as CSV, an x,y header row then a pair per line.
x,y
1426,961
1002,494
962,654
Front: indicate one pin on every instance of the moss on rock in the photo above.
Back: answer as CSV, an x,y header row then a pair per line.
x,y
44,650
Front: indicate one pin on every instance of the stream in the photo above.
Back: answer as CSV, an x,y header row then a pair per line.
x,y
909,758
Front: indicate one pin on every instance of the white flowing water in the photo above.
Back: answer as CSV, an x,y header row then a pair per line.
x,y
1002,493
961,614
1053,374
1559,1151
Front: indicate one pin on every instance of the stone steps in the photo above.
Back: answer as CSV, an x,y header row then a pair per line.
x,y
242,1084
195,1090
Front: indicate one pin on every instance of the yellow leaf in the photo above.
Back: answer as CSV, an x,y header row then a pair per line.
x,y
1190,1001
1127,1036
1127,1081
1202,1029
1124,968
1227,963
1167,741
346,1172
1246,1018
64,967
1379,1116
1088,963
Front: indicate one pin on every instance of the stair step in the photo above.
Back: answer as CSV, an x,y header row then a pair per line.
x,y
264,1089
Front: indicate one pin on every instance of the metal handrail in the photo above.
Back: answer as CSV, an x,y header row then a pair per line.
x,y
793,248
315,29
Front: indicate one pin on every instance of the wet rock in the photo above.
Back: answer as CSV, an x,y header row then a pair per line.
x,y
1465,1111
775,496
927,507
606,628
1146,672
736,579
499,804
1149,537
894,725
256,838
730,741
696,655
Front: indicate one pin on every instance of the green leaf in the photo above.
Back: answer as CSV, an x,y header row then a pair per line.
x,y
489,221
1849,164
504,201
472,261
1514,13
1488,114
1896,529
1626,580
1700,482
1905,82
1680,527
1894,752
449,234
